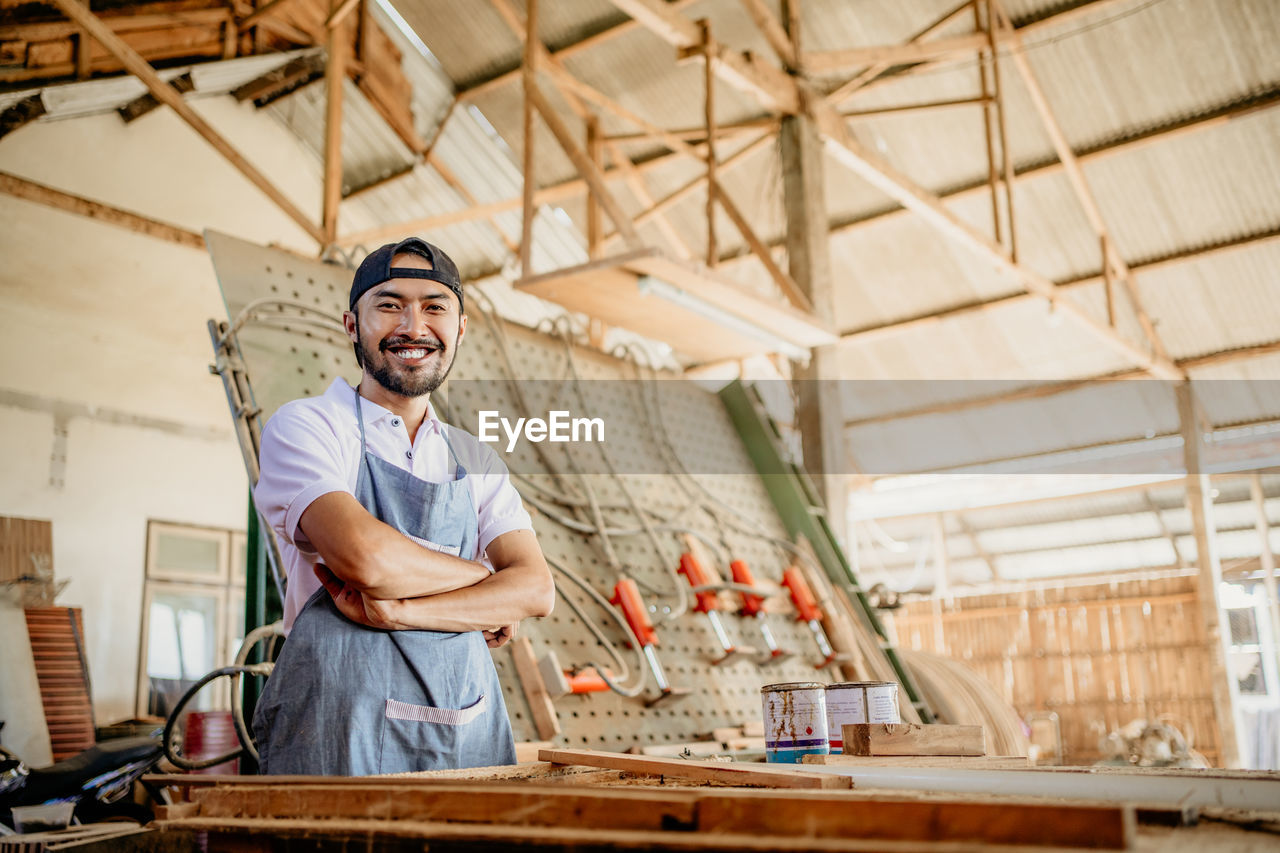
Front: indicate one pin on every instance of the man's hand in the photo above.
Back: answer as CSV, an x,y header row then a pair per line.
x,y
354,605
499,637
382,613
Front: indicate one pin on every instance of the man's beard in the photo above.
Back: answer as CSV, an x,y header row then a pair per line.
x,y
402,380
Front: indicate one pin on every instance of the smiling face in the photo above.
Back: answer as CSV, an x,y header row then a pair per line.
x,y
407,331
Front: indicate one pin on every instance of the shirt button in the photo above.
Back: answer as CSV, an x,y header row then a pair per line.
x,y
409,453
395,422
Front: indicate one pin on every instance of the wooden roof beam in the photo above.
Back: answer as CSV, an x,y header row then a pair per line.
x,y
773,32
770,85
1111,256
169,96
875,171
576,92
512,75
833,61
79,205
1053,389
870,333
1215,118
22,113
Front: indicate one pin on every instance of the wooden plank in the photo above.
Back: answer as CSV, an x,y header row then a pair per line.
x,y
608,289
750,775
888,819
50,197
1209,577
144,104
912,739
975,762
834,61
769,27
23,112
166,94
770,85
593,176
543,710
523,805
335,72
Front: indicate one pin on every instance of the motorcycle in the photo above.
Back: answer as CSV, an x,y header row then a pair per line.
x,y
98,780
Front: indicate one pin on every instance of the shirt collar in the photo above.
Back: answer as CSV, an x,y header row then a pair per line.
x,y
373,413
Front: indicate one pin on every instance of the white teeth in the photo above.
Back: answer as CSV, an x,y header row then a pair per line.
x,y
411,353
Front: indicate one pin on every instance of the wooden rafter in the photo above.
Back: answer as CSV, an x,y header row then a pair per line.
x,y
511,75
772,30
339,45
871,168
167,95
96,210
1112,259
575,91
1053,389
833,61
593,177
1209,577
749,76
1089,7
772,86
529,83
862,78
931,318
1266,558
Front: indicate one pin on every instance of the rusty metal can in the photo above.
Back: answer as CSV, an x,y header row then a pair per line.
x,y
859,702
795,721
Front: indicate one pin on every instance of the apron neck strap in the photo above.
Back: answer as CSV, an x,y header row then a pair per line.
x,y
460,472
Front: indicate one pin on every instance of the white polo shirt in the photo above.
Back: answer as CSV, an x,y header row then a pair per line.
x,y
311,447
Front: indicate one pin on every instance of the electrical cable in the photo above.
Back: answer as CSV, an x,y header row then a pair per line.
x,y
235,672
594,629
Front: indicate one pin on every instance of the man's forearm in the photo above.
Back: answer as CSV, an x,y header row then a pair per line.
x,y
506,597
407,570
377,559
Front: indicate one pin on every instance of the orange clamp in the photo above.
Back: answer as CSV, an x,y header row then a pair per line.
x,y
751,604
627,596
692,569
801,596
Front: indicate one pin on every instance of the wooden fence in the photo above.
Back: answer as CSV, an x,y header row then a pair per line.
x,y
1099,655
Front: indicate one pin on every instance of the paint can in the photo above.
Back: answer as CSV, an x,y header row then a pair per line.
x,y
795,721
859,702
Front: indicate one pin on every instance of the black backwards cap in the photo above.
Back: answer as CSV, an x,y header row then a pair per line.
x,y
376,268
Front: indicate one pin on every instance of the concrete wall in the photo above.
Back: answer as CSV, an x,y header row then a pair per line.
x,y
110,326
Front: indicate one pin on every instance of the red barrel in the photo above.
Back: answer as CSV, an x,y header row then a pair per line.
x,y
209,734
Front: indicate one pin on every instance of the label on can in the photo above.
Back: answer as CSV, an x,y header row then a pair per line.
x,y
859,702
795,721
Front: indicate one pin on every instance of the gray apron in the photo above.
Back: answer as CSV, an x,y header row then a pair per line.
x,y
347,700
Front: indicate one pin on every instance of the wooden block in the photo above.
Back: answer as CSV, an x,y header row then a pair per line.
x,y
822,816
912,739
753,728
983,762
749,775
523,805
527,750
541,707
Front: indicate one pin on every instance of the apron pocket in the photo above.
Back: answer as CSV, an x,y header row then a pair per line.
x,y
397,710
451,550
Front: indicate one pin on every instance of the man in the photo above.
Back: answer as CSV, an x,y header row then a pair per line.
x,y
408,552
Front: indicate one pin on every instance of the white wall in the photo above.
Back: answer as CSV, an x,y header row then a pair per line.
x,y
98,316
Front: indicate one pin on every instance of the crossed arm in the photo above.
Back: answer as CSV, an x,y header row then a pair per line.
x,y
380,578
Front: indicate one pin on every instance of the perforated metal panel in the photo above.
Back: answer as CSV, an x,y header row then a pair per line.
x,y
299,359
